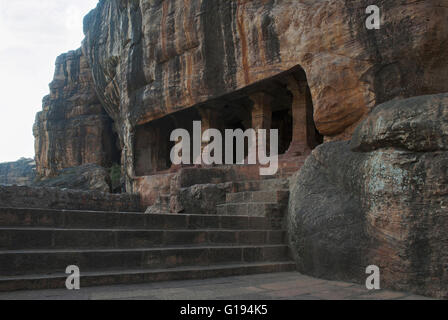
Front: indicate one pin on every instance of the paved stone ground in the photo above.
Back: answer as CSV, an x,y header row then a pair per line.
x,y
281,286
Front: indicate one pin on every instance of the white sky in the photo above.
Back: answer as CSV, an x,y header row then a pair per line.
x,y
32,34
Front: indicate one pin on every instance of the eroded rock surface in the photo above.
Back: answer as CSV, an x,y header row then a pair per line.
x,y
201,199
73,129
380,200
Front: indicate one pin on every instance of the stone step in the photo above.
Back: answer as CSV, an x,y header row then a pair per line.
x,y
162,205
258,196
255,209
46,218
133,276
22,262
46,238
260,185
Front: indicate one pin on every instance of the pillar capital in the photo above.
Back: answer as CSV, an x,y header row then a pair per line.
x,y
297,87
209,117
261,98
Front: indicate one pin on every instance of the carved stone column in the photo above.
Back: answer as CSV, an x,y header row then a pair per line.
x,y
209,120
179,124
261,110
299,143
262,115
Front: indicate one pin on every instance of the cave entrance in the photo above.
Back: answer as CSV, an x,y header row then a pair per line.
x,y
282,102
304,134
152,145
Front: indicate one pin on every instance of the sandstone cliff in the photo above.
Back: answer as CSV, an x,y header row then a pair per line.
x,y
150,59
147,59
73,129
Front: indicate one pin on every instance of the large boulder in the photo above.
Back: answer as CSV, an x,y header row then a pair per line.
x,y
381,199
200,198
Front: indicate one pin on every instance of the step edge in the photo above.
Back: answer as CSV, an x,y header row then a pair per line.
x,y
123,213
125,250
149,271
137,230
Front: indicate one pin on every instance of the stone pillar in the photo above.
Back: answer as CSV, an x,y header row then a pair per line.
x,y
262,114
261,110
179,124
209,119
299,144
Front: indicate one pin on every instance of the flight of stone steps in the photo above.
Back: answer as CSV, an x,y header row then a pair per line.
x,y
259,198
37,245
267,197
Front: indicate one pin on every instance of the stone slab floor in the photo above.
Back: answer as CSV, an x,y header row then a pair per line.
x,y
281,286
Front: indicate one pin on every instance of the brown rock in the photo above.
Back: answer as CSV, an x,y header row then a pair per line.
x,y
73,129
201,199
171,55
417,127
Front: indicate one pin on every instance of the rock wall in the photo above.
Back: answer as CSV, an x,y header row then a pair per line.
x,y
152,58
56,198
380,199
21,172
86,177
73,129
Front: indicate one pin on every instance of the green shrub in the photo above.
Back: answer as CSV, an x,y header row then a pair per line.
x,y
115,175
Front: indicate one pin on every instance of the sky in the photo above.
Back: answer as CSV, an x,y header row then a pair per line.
x,y
32,34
